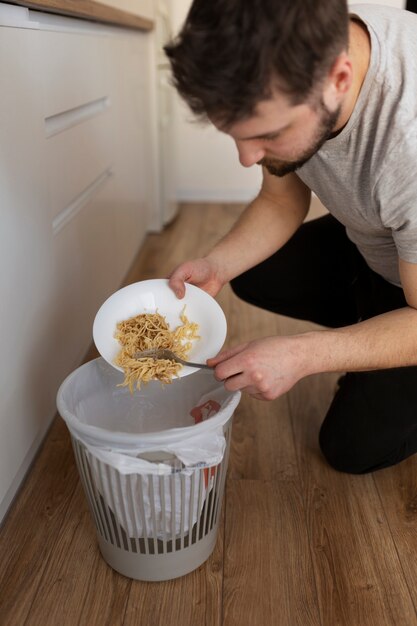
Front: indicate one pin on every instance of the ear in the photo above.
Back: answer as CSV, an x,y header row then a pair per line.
x,y
339,80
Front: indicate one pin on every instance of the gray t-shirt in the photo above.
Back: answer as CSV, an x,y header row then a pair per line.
x,y
367,175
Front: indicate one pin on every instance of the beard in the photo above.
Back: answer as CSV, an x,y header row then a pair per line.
x,y
328,120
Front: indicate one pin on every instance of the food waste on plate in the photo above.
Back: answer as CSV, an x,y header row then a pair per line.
x,y
150,331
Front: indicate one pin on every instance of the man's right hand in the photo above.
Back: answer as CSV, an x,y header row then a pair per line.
x,y
202,273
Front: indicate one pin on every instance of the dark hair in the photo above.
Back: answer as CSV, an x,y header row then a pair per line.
x,y
229,53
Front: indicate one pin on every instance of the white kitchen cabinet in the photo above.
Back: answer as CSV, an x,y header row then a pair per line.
x,y
75,204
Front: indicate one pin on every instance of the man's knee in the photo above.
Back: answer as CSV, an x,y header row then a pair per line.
x,y
343,456
345,439
370,424
354,453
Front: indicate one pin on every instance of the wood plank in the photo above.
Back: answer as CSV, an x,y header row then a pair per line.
x,y
262,442
397,488
32,528
268,577
358,574
89,10
187,601
76,585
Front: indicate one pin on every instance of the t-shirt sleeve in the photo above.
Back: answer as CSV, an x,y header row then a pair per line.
x,y
396,195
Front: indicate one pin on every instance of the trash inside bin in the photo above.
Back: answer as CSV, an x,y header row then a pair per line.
x,y
153,465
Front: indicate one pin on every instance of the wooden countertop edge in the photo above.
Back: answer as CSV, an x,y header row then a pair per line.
x,y
90,10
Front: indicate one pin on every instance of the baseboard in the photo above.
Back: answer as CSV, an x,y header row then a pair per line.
x,y
217,195
25,467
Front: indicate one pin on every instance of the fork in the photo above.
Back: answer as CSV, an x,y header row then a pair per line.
x,y
164,353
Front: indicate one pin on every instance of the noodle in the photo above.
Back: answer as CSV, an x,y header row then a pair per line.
x,y
147,331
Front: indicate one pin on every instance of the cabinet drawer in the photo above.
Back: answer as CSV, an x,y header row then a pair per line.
x,y
77,157
75,70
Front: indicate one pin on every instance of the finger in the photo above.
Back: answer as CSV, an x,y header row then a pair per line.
x,y
240,383
235,383
224,355
176,283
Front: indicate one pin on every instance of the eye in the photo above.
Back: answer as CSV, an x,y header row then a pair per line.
x,y
271,137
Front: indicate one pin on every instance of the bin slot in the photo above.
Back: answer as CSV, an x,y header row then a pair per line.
x,y
103,507
191,506
206,506
173,509
163,510
200,501
142,514
214,497
190,511
132,497
123,503
153,515
87,484
109,490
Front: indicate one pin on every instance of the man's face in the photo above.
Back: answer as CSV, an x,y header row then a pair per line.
x,y
282,137
326,123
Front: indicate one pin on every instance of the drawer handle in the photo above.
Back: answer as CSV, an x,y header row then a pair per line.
x,y
59,122
67,214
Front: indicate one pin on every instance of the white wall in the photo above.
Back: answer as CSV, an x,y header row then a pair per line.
x,y
399,4
208,168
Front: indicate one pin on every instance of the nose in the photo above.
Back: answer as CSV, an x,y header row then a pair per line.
x,y
250,152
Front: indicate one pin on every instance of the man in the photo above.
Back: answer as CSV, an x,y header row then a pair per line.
x,y
325,102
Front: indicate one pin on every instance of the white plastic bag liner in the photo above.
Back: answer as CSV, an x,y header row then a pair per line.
x,y
102,414
145,506
133,439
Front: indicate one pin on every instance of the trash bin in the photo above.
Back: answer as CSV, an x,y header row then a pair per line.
x,y
153,465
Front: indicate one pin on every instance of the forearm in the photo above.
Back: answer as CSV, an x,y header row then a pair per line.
x,y
264,227
268,367
385,341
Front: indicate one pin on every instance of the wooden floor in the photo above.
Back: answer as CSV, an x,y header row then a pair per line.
x,y
299,543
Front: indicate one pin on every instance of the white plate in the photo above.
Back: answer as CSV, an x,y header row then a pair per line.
x,y
151,296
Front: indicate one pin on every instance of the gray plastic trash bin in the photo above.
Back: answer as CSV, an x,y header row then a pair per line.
x,y
155,492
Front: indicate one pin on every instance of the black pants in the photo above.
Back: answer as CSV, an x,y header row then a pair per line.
x,y
319,275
